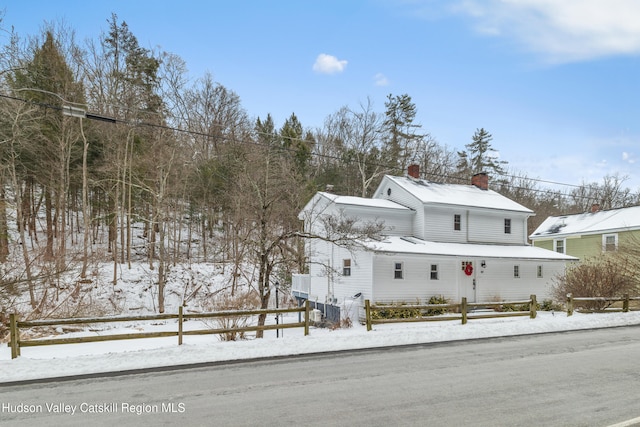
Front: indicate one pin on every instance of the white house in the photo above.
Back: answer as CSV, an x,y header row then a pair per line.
x,y
446,240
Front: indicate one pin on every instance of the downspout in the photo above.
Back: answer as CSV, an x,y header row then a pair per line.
x,y
466,226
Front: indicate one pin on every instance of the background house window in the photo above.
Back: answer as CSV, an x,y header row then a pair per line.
x,y
609,242
507,226
516,271
539,272
397,270
346,267
456,222
434,272
559,245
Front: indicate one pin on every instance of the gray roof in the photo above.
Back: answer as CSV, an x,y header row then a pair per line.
x,y
454,194
609,221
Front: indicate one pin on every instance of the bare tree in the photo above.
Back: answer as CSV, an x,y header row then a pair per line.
x,y
611,194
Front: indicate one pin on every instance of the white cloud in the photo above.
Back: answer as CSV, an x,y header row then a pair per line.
x,y
329,64
381,80
561,30
628,157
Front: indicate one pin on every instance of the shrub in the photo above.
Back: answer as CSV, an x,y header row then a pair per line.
x,y
394,311
607,276
437,311
226,302
549,305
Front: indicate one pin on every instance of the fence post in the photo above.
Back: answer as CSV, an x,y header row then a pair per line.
x,y
463,310
569,304
307,310
15,339
625,304
367,310
534,307
180,319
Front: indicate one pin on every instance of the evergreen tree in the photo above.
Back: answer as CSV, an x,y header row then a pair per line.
x,y
297,143
402,138
479,155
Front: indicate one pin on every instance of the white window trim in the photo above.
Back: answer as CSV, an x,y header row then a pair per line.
x,y
604,241
540,271
395,263
431,271
458,223
346,268
564,245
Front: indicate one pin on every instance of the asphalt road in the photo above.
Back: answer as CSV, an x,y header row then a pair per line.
x,y
586,378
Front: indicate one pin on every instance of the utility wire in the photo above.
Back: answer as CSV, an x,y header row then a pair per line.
x,y
311,153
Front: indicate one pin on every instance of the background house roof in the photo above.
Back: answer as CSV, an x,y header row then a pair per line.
x,y
589,223
452,194
412,245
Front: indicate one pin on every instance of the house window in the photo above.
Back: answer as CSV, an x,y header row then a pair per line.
x,y
540,272
397,270
609,242
558,246
434,272
507,226
456,222
516,271
346,267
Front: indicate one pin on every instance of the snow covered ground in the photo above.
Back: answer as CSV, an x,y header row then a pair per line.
x,y
110,356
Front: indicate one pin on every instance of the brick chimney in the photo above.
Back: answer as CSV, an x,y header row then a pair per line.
x,y
480,180
595,208
414,171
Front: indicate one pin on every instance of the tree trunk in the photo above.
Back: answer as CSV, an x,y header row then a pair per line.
x,y
4,227
85,205
48,207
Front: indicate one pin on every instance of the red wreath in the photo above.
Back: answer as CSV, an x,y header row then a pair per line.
x,y
468,270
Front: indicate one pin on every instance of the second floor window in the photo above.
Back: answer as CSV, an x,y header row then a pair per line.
x,y
559,245
456,222
539,272
507,226
516,271
346,267
397,270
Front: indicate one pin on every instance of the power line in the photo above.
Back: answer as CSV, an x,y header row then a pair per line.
x,y
291,150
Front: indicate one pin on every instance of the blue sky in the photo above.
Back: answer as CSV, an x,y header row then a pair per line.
x,y
555,82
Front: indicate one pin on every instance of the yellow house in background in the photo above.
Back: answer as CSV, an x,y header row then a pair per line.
x,y
589,234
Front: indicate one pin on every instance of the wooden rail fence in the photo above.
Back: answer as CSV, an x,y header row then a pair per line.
x,y
625,299
463,311
15,325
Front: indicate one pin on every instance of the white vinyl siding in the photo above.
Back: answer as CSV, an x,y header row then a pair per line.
x,y
416,285
494,284
342,286
404,198
439,225
489,227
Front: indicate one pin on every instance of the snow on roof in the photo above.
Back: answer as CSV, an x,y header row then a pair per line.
x,y
456,194
412,245
364,202
590,223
